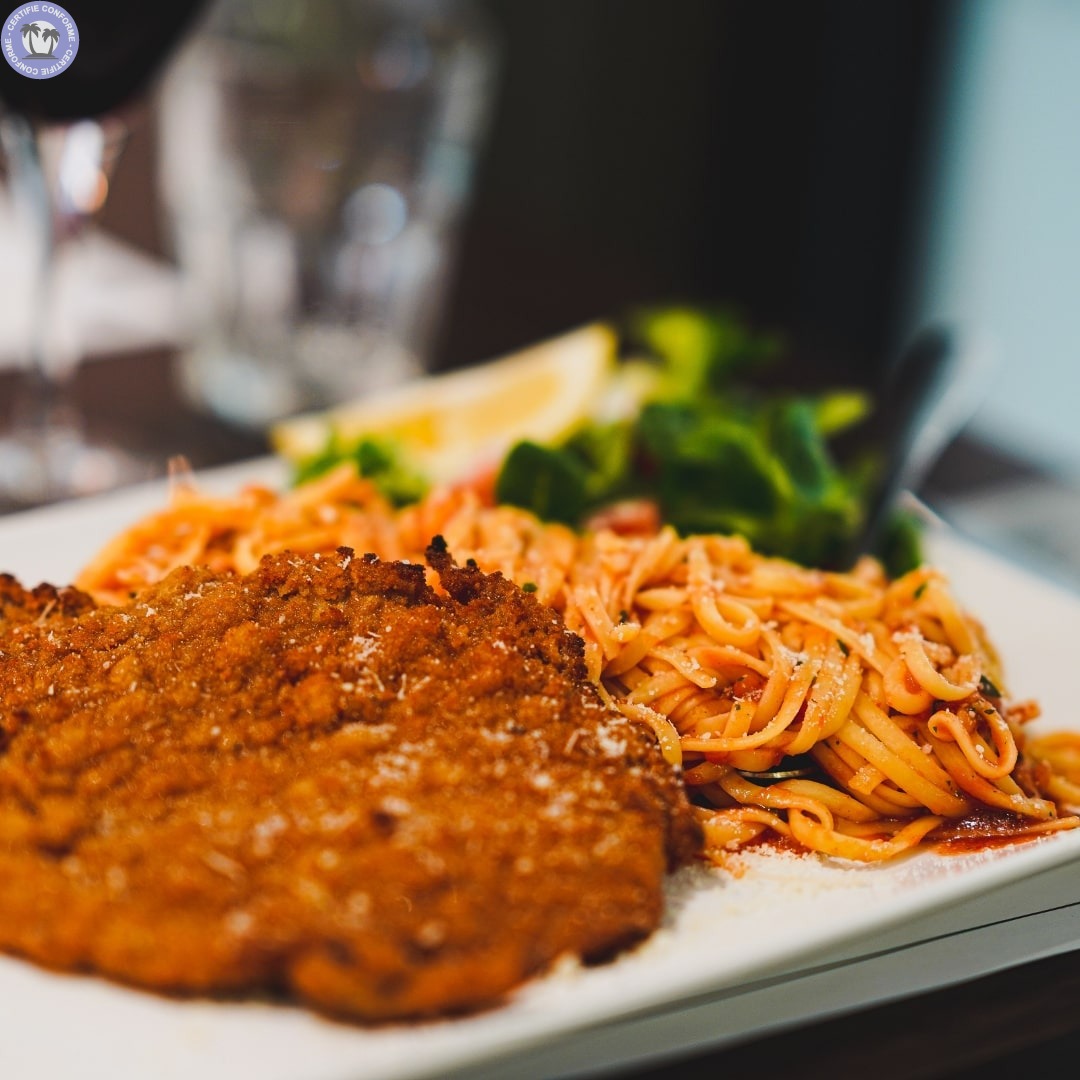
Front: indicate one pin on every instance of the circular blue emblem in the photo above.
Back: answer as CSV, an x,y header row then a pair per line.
x,y
39,40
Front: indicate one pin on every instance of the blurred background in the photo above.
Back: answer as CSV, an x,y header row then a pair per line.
x,y
843,171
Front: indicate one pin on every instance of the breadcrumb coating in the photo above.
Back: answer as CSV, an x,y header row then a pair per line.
x,y
382,790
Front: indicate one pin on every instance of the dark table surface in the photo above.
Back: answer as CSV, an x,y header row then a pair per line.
x,y
1026,1018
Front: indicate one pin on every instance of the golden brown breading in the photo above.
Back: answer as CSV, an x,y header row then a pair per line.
x,y
20,605
326,778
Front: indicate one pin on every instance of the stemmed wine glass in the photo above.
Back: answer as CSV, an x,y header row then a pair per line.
x,y
71,83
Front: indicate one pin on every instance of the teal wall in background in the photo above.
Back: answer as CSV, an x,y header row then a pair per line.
x,y
1001,244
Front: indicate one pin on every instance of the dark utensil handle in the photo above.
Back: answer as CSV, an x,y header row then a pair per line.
x,y
912,390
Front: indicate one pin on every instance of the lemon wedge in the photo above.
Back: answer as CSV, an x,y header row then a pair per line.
x,y
463,419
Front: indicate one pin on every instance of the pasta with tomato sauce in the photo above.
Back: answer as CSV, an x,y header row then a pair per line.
x,y
844,713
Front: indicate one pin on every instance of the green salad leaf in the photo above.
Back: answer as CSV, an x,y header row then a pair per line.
x,y
549,481
382,461
717,447
714,441
701,350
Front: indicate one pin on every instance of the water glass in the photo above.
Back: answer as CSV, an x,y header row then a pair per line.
x,y
316,158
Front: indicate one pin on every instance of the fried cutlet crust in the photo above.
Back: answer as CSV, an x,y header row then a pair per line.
x,y
44,603
326,779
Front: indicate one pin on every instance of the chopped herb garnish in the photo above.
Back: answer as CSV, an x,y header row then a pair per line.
x,y
528,586
987,688
843,647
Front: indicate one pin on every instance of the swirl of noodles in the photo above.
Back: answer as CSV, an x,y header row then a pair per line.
x,y
885,690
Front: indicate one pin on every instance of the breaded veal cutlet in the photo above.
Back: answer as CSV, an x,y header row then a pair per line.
x,y
42,604
326,779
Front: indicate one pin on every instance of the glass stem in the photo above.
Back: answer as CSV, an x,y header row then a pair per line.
x,y
45,429
41,392
57,180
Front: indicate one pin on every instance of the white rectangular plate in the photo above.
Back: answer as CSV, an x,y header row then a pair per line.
x,y
786,920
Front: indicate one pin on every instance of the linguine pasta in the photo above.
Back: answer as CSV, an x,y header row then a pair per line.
x,y
846,713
